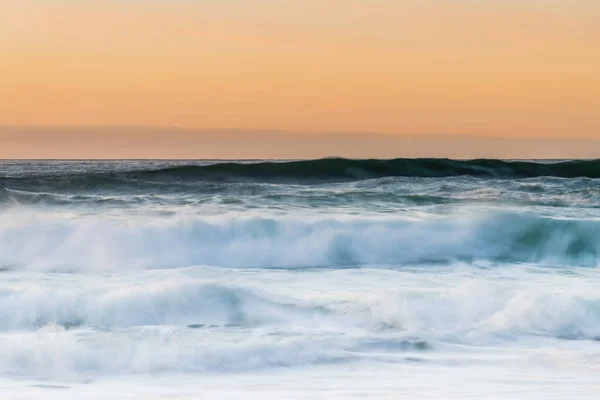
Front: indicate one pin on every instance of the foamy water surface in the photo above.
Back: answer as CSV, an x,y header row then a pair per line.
x,y
152,280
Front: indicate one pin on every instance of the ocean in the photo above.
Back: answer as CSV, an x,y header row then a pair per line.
x,y
333,279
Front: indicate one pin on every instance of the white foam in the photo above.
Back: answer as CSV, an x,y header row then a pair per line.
x,y
53,353
60,243
156,302
469,309
73,326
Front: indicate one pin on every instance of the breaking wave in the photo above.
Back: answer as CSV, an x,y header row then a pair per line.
x,y
42,242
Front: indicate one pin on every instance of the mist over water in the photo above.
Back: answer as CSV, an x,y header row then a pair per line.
x,y
409,276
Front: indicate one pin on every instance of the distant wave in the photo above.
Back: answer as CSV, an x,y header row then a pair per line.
x,y
347,169
334,169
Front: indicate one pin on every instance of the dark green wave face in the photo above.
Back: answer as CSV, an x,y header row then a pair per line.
x,y
322,170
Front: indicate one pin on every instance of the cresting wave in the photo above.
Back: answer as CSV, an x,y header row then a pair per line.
x,y
322,170
43,242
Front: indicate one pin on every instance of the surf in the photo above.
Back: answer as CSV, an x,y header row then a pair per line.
x,y
47,242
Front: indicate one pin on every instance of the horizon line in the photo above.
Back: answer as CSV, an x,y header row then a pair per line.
x,y
291,131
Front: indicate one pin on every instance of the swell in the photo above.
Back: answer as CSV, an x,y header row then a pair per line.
x,y
350,169
321,170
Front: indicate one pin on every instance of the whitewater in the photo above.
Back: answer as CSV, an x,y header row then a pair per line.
x,y
331,278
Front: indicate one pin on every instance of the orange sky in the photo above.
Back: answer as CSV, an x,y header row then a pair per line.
x,y
481,67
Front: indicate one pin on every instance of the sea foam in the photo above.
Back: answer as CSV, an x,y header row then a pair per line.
x,y
54,243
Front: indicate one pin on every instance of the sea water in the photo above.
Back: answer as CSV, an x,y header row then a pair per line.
x,y
332,278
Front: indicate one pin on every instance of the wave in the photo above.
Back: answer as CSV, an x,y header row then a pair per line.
x,y
320,170
350,169
172,326
449,315
96,243
173,302
112,336
478,312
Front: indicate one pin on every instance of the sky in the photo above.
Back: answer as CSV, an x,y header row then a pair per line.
x,y
502,68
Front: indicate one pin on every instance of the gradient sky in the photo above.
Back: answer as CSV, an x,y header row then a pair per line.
x,y
480,67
